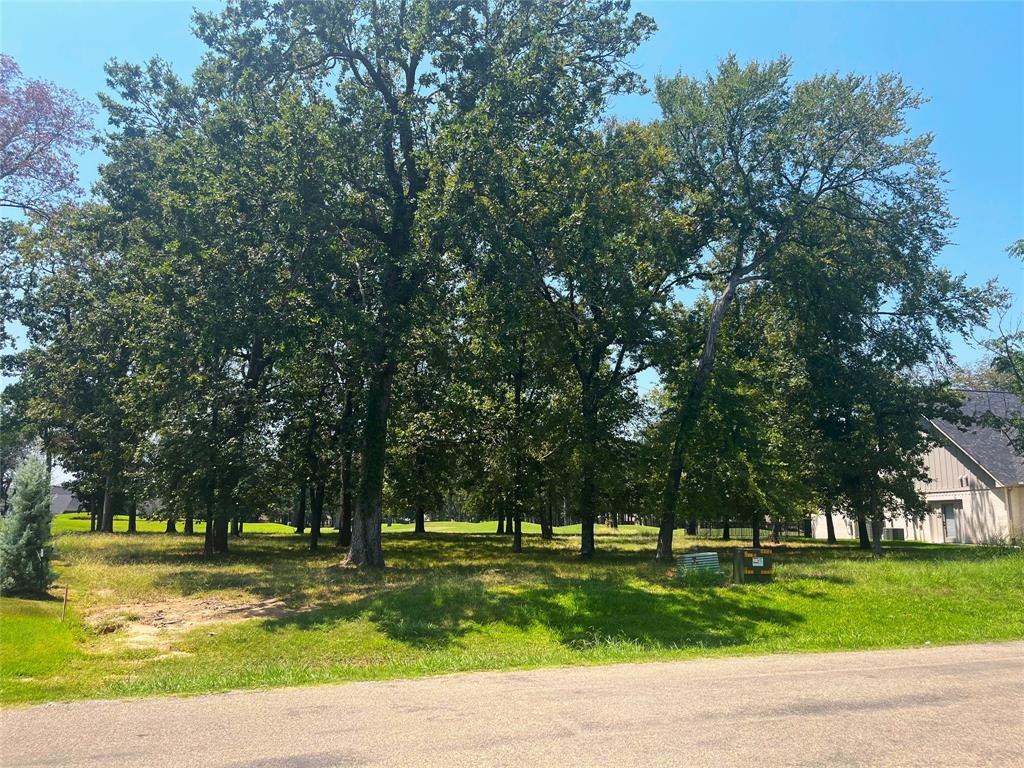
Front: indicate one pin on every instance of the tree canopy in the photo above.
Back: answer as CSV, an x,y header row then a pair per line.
x,y
388,259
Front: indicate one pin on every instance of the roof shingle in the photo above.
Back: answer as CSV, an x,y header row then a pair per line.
x,y
987,445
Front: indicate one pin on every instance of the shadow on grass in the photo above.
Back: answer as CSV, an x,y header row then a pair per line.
x,y
579,613
282,566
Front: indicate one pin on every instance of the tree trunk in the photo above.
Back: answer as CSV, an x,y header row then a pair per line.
x,y
862,530
687,420
756,526
366,549
172,525
877,523
133,510
546,515
726,533
300,511
316,498
501,522
421,520
691,525
587,498
830,525
235,530
208,548
107,524
345,523
615,517
588,480
776,532
876,536
189,528
220,532
517,535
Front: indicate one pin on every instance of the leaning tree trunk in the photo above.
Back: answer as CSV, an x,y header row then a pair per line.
x,y
367,548
687,419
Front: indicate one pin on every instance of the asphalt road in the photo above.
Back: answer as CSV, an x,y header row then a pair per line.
x,y
950,706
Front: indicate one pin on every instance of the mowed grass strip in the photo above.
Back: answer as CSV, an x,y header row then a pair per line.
x,y
457,599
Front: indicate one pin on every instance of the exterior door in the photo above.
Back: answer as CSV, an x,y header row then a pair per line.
x,y
949,531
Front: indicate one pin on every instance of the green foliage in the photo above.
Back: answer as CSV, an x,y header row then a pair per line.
x,y
822,217
1008,366
25,548
16,437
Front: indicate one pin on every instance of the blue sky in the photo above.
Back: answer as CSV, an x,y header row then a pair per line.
x,y
968,58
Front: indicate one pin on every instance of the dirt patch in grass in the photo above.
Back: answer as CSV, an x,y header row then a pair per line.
x,y
154,625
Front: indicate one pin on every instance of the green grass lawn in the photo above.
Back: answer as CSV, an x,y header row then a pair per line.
x,y
457,599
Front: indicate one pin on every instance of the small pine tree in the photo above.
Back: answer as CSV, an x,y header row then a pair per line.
x,y
25,540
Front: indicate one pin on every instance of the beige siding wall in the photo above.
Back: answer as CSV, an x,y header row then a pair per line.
x,y
981,515
949,472
1016,510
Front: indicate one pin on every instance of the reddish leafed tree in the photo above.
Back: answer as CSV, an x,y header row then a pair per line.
x,y
41,127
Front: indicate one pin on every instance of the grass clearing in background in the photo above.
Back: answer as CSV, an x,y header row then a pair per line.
x,y
457,599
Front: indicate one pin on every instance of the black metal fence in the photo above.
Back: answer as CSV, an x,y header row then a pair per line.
x,y
720,530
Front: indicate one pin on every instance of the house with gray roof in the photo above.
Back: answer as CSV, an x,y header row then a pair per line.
x,y
975,490
62,500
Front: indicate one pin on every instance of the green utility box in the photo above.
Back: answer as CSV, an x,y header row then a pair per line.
x,y
752,565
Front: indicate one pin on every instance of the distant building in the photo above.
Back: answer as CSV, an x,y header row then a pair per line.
x,y
62,500
976,489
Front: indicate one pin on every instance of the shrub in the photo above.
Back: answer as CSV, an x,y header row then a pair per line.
x,y
25,549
